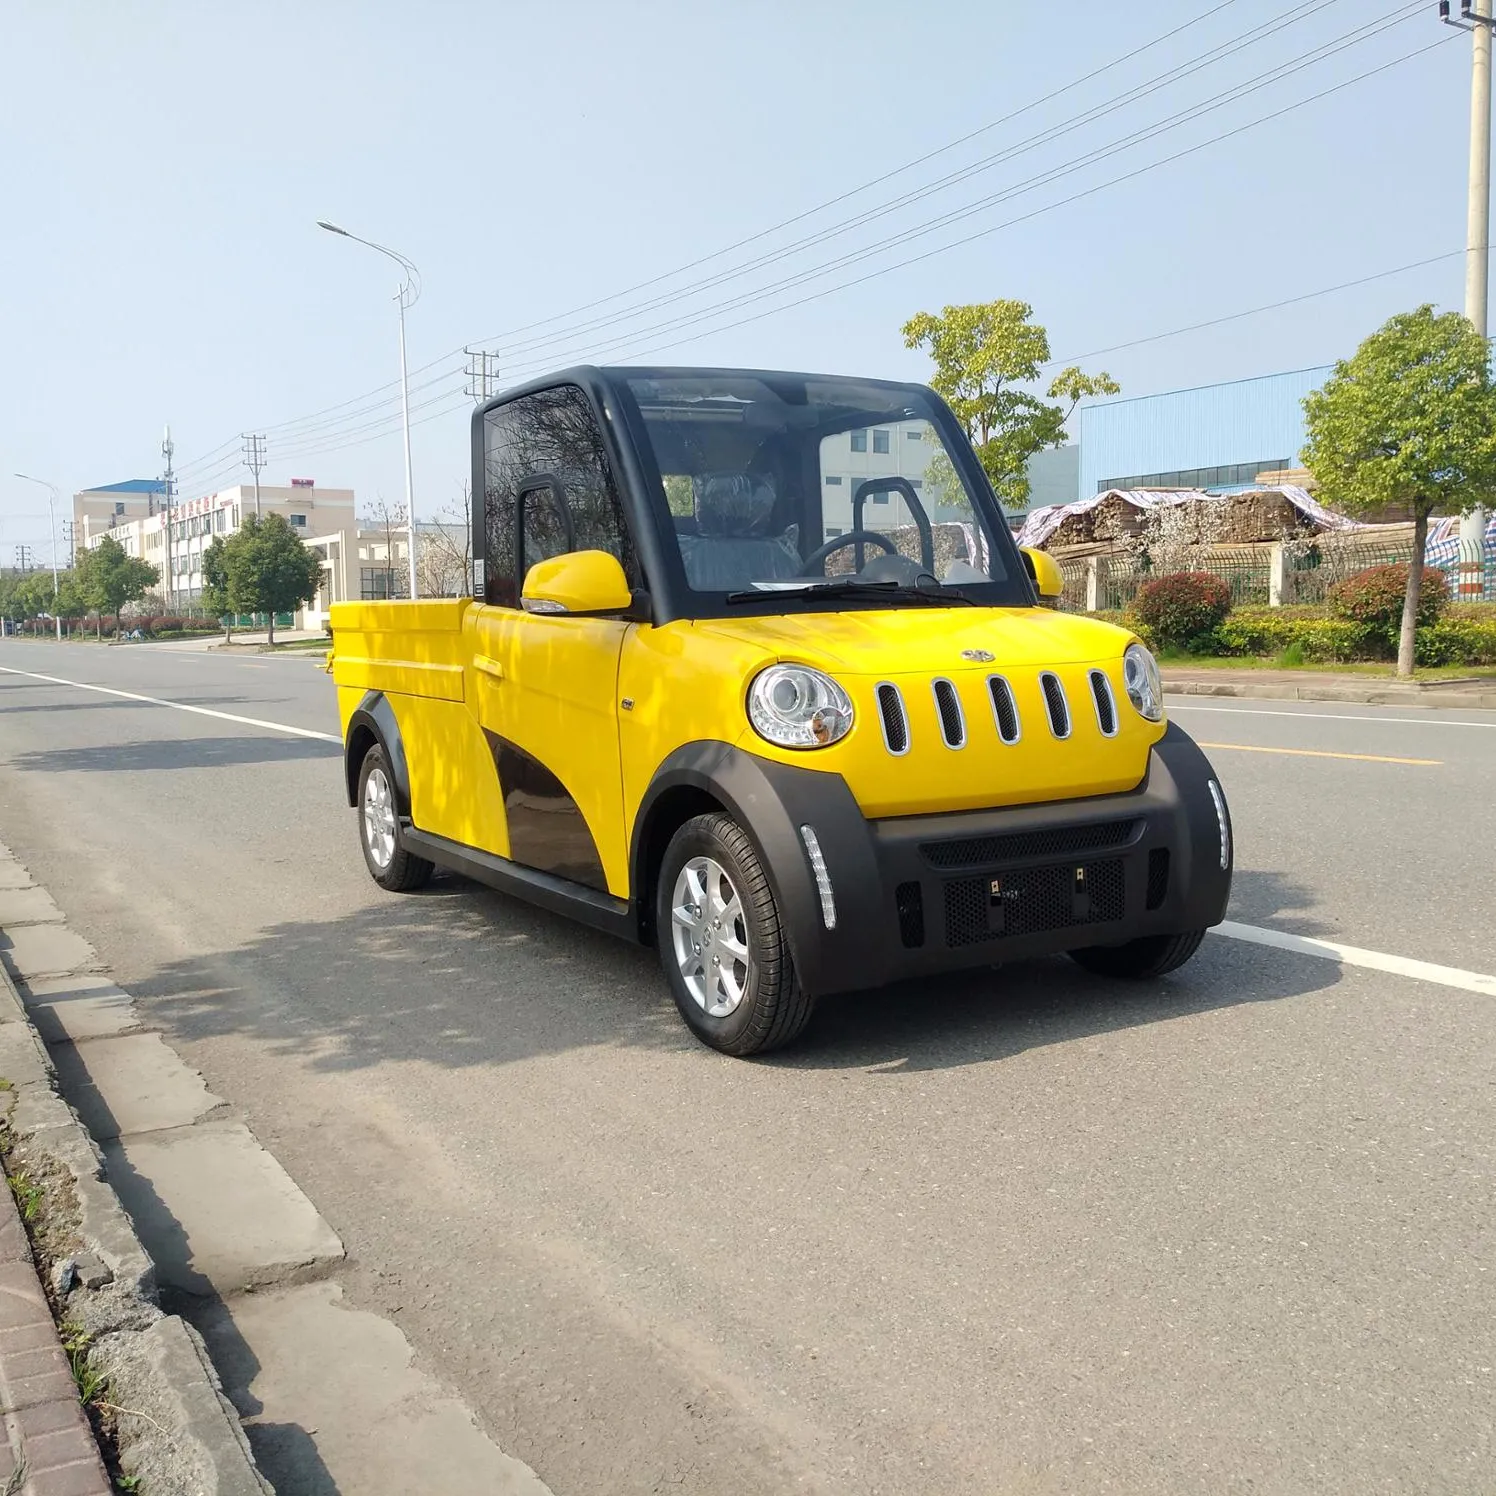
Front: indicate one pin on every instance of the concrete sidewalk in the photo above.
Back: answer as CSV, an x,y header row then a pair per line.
x,y
330,1396
1316,685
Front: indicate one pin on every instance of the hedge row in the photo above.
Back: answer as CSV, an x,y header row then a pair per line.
x,y
1465,635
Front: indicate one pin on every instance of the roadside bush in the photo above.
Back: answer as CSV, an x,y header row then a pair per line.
x,y
1183,610
1319,639
1457,640
1374,597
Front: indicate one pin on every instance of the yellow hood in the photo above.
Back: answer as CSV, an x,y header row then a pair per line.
x,y
894,640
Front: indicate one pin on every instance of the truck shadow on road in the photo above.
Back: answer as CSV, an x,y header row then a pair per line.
x,y
175,753
460,976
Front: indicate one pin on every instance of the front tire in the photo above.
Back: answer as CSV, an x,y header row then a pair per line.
x,y
722,942
389,864
1141,959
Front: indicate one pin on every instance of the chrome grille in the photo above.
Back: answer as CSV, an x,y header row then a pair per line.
x,y
1004,708
1056,704
952,720
894,718
1106,704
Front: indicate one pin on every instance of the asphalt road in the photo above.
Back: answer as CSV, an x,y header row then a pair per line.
x,y
1023,1231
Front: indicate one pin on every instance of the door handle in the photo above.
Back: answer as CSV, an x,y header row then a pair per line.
x,y
488,666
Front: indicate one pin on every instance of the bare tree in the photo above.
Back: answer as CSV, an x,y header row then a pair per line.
x,y
388,520
444,556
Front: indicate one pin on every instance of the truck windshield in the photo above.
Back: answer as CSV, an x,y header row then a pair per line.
x,y
799,488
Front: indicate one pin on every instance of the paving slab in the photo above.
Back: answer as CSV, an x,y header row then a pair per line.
x,y
335,1404
33,951
27,906
216,1211
79,1007
13,875
131,1084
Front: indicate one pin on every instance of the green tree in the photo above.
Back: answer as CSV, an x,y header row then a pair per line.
x,y
984,355
1409,419
110,578
268,569
216,597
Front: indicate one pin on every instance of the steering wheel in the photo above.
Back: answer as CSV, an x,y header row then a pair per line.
x,y
817,558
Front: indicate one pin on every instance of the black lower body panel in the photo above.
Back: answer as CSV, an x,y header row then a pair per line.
x,y
923,894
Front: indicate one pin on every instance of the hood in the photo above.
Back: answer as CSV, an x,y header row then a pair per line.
x,y
893,640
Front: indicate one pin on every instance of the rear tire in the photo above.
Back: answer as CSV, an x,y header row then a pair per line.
x,y
722,942
1141,959
379,831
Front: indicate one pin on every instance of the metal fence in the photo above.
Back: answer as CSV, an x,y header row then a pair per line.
x,y
1305,573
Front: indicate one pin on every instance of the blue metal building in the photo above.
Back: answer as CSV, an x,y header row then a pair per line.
x,y
1217,436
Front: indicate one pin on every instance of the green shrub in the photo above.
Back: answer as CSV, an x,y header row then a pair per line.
x,y
1374,597
1317,639
1457,640
1182,608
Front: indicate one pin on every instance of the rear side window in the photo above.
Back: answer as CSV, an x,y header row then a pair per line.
x,y
548,489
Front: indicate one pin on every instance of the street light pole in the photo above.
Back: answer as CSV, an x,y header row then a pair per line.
x,y
407,295
52,527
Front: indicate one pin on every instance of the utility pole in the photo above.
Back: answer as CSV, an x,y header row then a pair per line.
x,y
23,558
254,460
482,374
168,448
68,537
1475,17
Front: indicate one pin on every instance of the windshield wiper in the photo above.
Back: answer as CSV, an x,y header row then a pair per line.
x,y
938,596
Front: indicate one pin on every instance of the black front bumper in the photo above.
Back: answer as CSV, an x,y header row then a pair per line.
x,y
921,894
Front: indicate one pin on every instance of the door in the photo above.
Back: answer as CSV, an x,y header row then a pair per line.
x,y
544,686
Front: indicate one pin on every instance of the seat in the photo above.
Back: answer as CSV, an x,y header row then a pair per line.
x,y
733,546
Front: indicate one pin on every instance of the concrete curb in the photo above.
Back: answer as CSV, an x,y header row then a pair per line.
x,y
180,1435
1472,699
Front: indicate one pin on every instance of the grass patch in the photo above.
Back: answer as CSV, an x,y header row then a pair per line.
x,y
29,1195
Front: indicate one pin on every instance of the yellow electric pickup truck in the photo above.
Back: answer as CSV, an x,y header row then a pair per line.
x,y
754,672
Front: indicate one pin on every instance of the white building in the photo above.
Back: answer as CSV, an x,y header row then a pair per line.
x,y
177,551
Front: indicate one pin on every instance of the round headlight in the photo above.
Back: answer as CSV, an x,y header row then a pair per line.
x,y
1145,687
797,707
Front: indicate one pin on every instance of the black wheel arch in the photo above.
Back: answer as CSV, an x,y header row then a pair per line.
x,y
373,722
770,801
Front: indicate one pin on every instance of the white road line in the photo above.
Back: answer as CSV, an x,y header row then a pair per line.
x,y
180,706
1247,711
1353,955
1326,950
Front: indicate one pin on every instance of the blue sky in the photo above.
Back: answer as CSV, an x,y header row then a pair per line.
x,y
165,163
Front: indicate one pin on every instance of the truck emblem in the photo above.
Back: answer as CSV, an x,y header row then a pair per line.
x,y
978,656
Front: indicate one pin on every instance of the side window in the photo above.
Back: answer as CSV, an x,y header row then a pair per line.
x,y
548,489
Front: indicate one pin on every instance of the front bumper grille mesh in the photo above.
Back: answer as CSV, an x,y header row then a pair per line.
x,y
1030,901
1021,846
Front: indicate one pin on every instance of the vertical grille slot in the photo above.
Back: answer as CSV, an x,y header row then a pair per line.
x,y
952,720
1158,876
1004,708
1106,704
894,718
1055,703
909,899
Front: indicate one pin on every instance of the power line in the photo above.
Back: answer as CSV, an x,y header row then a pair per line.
x,y
310,434
1063,169
378,390
1272,306
990,229
1043,137
874,181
